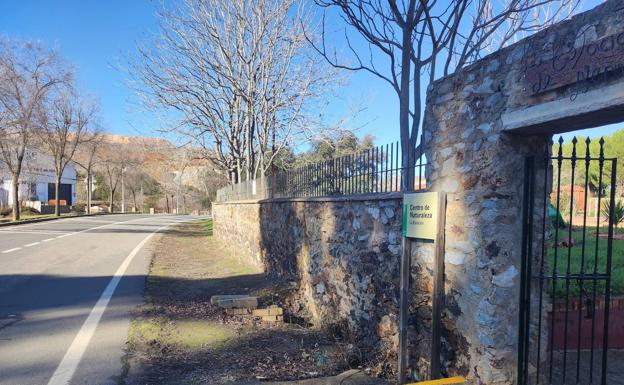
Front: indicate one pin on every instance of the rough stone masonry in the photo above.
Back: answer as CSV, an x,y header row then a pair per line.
x,y
342,252
480,124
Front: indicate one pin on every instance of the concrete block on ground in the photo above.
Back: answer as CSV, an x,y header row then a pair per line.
x,y
215,298
272,318
234,301
268,311
237,311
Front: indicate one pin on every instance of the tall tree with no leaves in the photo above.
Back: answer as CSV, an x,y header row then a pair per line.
x,y
64,126
240,76
114,160
28,73
87,157
401,40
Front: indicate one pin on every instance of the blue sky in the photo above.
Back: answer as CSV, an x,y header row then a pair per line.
x,y
94,36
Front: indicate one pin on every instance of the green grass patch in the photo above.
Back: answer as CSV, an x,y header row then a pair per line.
x,y
206,225
188,334
585,258
198,334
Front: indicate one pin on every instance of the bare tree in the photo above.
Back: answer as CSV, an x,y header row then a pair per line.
x,y
238,73
111,169
404,39
28,72
115,158
87,157
136,178
64,124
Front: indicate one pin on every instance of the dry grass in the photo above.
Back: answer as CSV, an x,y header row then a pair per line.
x,y
178,337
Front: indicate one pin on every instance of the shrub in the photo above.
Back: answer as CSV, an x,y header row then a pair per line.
x,y
618,212
30,210
79,207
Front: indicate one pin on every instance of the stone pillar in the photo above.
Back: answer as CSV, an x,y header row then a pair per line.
x,y
482,171
480,125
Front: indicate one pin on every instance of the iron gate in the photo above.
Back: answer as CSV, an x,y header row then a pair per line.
x,y
566,265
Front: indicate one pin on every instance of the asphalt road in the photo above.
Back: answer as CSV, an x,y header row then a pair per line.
x,y
67,288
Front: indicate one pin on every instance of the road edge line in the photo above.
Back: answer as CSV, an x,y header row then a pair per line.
x,y
69,364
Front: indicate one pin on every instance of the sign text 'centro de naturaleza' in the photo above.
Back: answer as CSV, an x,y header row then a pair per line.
x,y
420,215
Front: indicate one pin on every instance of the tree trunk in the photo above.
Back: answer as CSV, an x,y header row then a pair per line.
x,y
134,201
15,192
88,208
57,191
407,181
110,201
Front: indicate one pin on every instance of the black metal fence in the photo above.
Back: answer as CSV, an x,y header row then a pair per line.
x,y
567,267
376,170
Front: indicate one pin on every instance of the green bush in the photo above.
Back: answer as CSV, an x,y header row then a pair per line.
x,y
618,212
30,211
8,211
79,208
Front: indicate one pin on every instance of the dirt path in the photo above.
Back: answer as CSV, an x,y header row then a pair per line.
x,y
178,337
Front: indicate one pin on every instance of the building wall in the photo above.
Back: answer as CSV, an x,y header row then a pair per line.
x,y
38,170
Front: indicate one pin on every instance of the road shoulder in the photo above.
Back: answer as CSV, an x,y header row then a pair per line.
x,y
179,337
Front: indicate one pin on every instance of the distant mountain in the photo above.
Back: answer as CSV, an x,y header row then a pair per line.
x,y
149,141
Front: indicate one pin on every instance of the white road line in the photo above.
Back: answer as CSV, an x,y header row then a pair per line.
x,y
66,234
11,250
92,220
44,223
66,369
31,232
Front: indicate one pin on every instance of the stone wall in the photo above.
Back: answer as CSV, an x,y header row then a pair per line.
x,y
344,254
238,225
480,125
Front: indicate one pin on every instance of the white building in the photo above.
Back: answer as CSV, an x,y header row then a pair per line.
x,y
37,182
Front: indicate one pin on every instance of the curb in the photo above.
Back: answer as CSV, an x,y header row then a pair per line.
x,y
351,377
